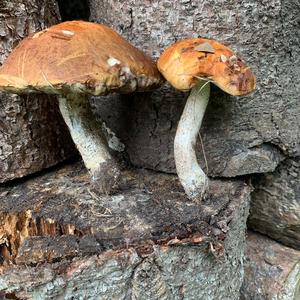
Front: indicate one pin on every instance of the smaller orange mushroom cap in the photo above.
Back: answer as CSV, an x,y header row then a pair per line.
x,y
187,61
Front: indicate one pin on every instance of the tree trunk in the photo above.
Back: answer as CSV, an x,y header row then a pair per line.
x,y
32,133
272,271
275,204
241,135
59,239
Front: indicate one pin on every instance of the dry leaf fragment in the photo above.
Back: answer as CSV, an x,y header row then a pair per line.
x,y
205,47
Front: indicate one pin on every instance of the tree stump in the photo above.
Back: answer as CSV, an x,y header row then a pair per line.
x,y
32,133
272,271
60,240
241,136
275,204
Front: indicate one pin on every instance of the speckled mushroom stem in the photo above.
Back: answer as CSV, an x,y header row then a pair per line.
x,y
191,176
90,141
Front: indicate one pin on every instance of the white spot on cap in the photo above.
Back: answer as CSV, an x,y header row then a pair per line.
x,y
113,61
233,59
126,70
36,35
223,58
67,32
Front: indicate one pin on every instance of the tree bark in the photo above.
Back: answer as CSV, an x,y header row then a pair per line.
x,y
148,242
275,204
241,135
272,271
32,133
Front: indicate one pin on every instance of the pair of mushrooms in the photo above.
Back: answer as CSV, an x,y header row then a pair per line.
x,y
76,59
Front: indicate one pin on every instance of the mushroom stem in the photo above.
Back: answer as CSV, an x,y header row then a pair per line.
x,y
191,176
90,141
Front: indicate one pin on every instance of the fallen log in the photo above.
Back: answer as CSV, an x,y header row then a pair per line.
x,y
60,239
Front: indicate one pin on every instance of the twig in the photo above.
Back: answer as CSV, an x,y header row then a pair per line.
x,y
95,197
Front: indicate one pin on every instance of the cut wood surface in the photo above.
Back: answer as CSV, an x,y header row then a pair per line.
x,y
32,133
59,239
272,270
275,204
241,135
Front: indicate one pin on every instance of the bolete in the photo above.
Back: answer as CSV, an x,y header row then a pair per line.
x,y
192,64
73,60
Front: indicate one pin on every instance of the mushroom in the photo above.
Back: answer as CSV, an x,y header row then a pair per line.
x,y
73,60
192,64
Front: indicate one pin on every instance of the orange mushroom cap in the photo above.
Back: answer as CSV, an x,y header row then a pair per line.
x,y
77,56
187,61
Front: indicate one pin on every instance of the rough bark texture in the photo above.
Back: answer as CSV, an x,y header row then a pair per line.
x,y
272,271
275,204
32,133
60,240
241,135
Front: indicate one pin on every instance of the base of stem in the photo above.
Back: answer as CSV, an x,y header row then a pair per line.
x,y
106,179
87,135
